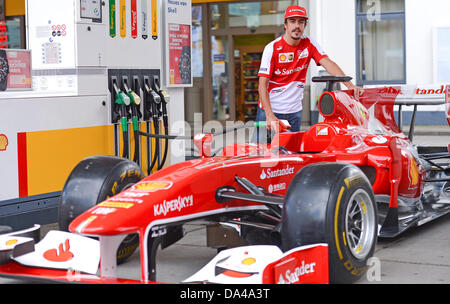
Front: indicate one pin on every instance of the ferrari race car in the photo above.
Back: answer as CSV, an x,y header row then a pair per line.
x,y
307,207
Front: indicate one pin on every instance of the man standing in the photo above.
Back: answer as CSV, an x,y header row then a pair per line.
x,y
282,74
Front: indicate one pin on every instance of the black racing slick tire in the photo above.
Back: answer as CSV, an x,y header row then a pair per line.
x,y
92,181
332,203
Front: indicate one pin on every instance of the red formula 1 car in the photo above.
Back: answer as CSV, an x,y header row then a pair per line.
x,y
320,197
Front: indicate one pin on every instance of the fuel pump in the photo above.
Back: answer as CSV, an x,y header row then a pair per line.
x,y
151,100
122,100
156,115
165,98
135,102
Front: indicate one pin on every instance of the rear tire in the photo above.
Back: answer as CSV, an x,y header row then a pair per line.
x,y
92,181
332,203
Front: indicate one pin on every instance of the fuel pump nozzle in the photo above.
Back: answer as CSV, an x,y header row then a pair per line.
x,y
135,101
165,98
151,98
123,101
151,102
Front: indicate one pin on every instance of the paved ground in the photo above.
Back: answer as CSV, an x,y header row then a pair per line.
x,y
419,256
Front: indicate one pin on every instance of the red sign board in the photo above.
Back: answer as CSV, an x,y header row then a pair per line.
x,y
179,54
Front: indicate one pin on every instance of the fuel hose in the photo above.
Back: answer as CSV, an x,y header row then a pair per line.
x,y
164,100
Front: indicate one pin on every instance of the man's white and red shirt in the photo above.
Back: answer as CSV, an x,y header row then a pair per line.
x,y
286,67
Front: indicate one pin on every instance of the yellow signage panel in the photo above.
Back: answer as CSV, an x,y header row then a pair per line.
x,y
14,7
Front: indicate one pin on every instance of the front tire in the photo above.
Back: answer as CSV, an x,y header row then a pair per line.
x,y
92,181
332,203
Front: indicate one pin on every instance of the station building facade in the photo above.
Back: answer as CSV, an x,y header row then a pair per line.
x,y
377,42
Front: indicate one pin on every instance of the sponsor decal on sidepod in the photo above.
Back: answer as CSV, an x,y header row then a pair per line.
x,y
268,173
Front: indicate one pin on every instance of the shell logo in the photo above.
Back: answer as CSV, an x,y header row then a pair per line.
x,y
11,242
3,142
152,186
249,261
283,58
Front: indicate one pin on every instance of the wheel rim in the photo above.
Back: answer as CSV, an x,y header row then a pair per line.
x,y
360,224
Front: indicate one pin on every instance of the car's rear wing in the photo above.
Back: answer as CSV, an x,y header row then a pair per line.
x,y
408,95
411,95
421,96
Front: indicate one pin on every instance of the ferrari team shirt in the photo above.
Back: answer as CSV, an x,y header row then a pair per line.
x,y
286,67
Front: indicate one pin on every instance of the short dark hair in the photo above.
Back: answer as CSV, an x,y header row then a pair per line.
x,y
306,21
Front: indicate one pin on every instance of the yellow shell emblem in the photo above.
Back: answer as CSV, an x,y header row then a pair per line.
x,y
249,261
152,186
3,142
11,242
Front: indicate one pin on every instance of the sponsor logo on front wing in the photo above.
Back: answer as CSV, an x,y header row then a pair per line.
x,y
173,205
292,276
269,173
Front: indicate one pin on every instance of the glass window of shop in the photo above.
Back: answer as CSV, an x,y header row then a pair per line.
x,y
248,14
384,6
12,32
15,32
380,42
12,28
197,42
441,47
229,23
220,79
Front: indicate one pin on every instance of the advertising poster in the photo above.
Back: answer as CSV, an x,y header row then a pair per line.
x,y
178,41
15,70
179,54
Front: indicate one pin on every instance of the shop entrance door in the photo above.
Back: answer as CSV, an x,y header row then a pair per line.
x,y
248,51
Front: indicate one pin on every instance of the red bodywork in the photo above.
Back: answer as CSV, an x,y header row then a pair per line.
x,y
361,133
166,195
